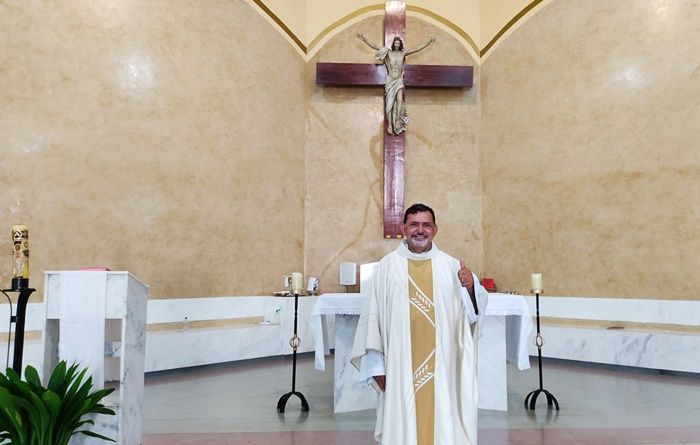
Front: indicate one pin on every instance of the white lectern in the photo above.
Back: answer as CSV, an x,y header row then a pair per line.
x,y
98,320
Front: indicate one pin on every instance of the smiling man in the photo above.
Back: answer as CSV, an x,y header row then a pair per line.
x,y
414,342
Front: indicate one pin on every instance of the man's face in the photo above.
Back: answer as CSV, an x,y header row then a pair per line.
x,y
397,44
419,231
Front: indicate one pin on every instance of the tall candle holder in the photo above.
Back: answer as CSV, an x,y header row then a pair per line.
x,y
294,342
20,284
531,398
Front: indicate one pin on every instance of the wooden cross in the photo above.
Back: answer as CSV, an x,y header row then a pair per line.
x,y
415,76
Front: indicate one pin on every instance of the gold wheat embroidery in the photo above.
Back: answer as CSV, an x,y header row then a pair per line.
x,y
424,373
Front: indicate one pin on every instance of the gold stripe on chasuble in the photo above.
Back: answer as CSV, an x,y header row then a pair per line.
x,y
420,291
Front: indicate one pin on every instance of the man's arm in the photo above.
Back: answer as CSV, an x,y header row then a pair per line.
x,y
467,279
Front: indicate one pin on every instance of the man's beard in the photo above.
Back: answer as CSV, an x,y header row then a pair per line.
x,y
420,242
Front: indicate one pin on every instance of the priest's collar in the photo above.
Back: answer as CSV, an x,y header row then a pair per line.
x,y
404,252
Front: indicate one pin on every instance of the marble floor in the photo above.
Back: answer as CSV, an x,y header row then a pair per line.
x,y
236,404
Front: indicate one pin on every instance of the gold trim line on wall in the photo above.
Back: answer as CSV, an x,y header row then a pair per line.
x,y
338,23
281,24
410,8
380,7
447,23
509,25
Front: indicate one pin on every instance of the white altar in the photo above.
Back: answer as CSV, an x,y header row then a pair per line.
x,y
98,320
505,329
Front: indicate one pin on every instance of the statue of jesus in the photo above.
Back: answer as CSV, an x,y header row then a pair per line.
x,y
394,59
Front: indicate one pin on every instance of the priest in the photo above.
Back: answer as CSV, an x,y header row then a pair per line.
x,y
415,343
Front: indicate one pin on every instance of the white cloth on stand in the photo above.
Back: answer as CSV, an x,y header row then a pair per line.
x,y
82,322
330,304
518,325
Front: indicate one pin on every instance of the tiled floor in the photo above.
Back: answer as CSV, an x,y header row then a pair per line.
x,y
236,404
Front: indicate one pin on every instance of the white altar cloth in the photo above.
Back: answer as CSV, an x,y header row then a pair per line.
x,y
331,304
498,305
505,331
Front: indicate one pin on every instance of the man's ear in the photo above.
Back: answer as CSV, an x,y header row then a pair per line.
x,y
403,230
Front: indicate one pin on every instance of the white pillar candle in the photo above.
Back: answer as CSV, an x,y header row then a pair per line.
x,y
536,281
297,282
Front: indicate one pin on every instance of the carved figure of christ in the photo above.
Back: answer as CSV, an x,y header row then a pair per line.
x,y
432,76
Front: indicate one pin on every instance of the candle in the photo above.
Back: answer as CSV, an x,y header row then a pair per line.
x,y
297,284
537,282
20,239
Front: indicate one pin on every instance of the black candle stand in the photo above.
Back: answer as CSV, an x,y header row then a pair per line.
x,y
19,320
294,342
531,398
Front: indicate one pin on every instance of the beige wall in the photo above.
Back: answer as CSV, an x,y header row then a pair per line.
x,y
590,150
140,134
344,157
494,15
166,138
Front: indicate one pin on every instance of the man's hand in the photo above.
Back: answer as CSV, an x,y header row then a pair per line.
x,y
467,280
465,276
381,381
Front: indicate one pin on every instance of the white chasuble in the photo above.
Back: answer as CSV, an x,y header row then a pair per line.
x,y
417,318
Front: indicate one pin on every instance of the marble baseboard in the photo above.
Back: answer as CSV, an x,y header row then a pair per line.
x,y
196,347
642,349
679,312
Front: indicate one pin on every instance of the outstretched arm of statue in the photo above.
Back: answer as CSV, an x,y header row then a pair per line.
x,y
422,47
364,39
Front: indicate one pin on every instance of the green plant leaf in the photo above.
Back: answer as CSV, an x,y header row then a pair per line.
x,y
85,422
57,378
51,401
33,415
91,434
32,377
4,381
11,419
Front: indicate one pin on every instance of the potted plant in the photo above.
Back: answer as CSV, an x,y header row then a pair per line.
x,y
31,414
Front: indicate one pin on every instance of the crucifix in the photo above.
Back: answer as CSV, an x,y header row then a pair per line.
x,y
357,74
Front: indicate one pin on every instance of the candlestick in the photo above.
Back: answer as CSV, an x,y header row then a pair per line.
x,y
297,282
20,267
537,283
20,283
531,398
